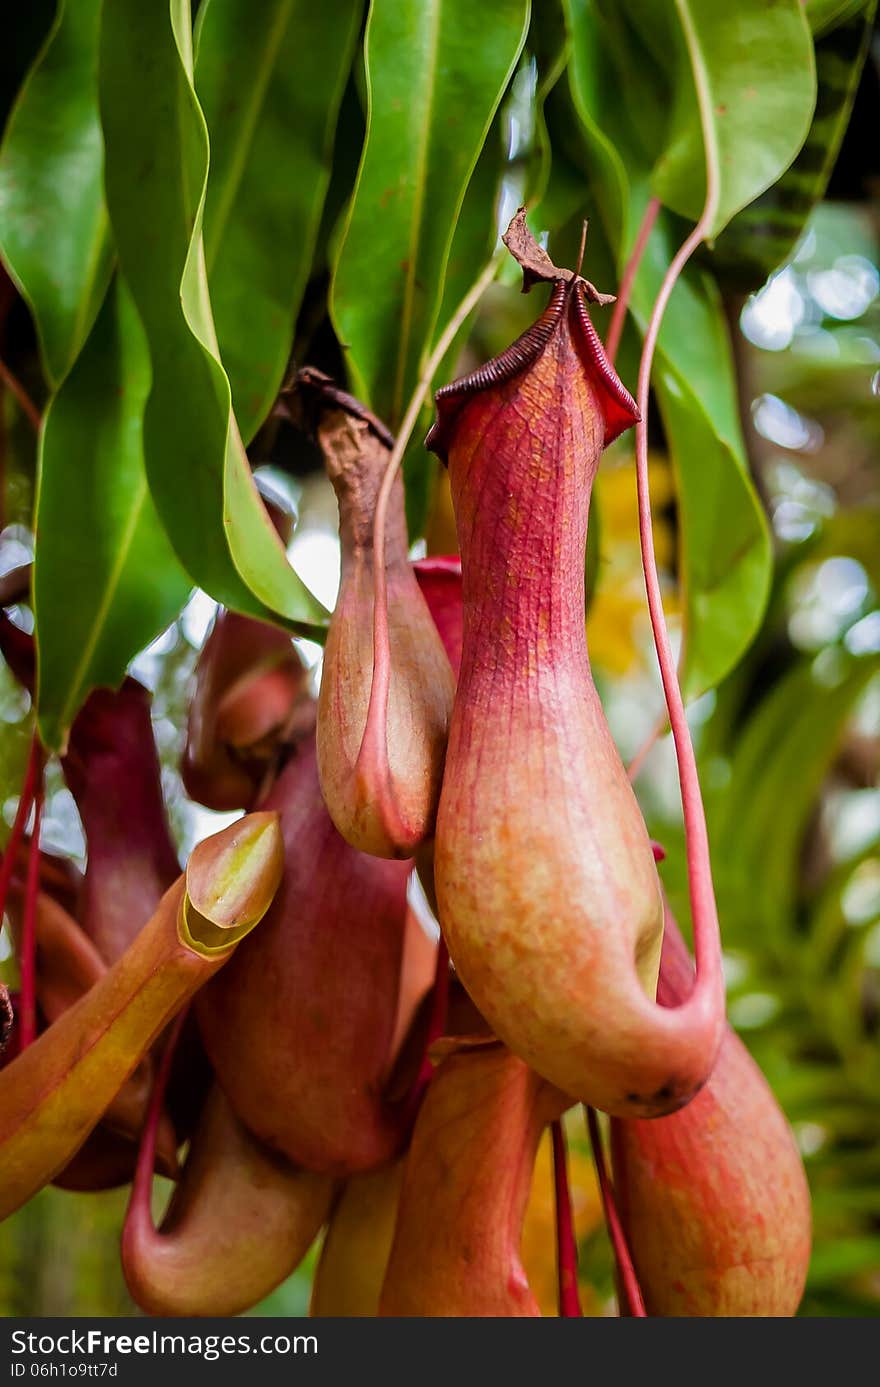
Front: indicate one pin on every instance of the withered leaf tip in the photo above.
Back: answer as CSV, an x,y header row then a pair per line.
x,y
536,264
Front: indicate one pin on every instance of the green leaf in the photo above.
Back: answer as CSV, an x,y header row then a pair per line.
x,y
517,164
53,221
591,123
157,160
100,537
725,555
436,71
513,160
269,75
764,234
476,235
477,229
744,98
728,559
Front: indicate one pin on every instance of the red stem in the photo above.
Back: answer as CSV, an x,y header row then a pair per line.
x,y
629,1281
26,403
28,962
566,1246
142,1184
656,732
612,342
25,800
708,990
3,450
618,316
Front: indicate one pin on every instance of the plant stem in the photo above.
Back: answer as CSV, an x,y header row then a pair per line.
x,y
28,961
629,1281
3,461
709,986
618,316
647,746
612,342
28,407
381,683
25,801
566,1245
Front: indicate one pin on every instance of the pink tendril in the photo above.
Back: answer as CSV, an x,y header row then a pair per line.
x,y
618,315
28,959
26,404
709,986
25,802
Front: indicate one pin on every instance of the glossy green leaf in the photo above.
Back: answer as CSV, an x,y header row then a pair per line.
x,y
476,235
763,235
53,220
269,76
436,72
743,97
728,557
725,557
100,539
588,120
196,466
515,161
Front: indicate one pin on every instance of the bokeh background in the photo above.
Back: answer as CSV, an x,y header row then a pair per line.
x,y
789,745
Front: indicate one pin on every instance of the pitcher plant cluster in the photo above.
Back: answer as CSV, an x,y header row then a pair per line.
x,y
277,1029
279,1007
